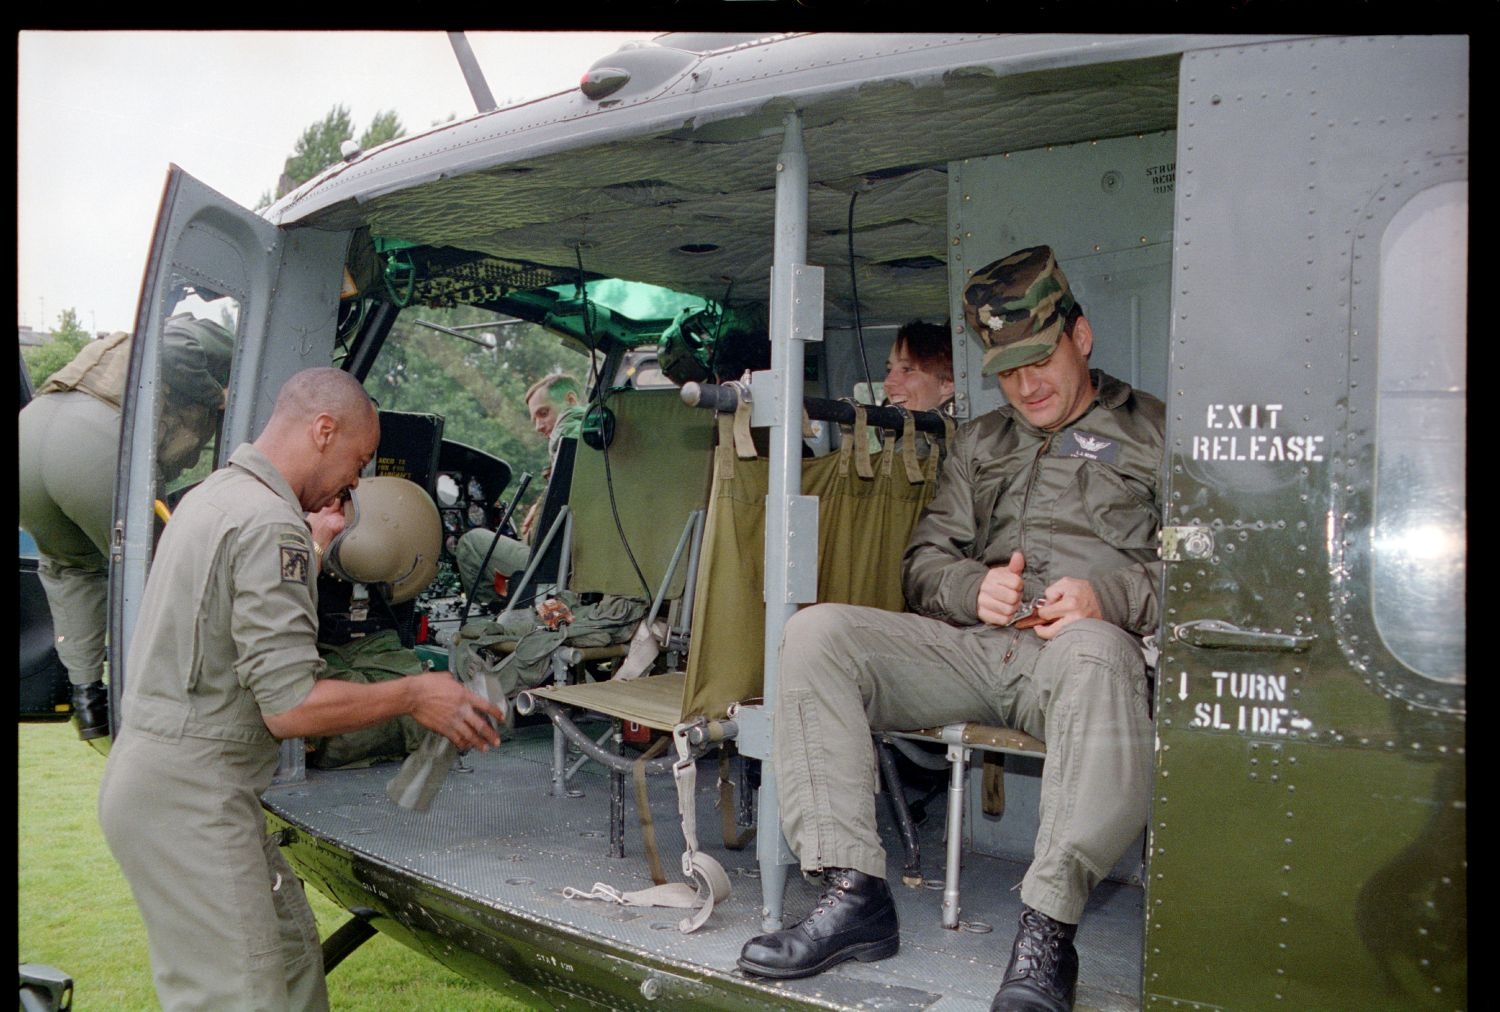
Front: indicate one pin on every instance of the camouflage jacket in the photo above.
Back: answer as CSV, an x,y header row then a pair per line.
x,y
1082,501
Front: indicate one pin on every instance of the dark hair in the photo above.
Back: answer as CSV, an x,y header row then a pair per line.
x,y
929,346
1071,317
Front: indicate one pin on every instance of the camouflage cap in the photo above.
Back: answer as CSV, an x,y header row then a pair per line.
x,y
195,359
1017,306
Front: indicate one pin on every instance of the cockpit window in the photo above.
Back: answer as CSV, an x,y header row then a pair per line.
x,y
1419,544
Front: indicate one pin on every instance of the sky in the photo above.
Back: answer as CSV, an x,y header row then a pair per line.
x,y
101,115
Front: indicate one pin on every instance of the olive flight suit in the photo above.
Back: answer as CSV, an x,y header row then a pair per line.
x,y
1079,502
227,632
69,447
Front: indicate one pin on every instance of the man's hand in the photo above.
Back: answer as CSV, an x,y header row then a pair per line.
x,y
1000,593
529,521
327,522
443,705
1067,600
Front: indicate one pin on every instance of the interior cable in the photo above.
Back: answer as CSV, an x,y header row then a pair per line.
x,y
859,330
601,394
720,319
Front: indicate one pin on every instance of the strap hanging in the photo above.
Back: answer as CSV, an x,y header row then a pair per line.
x,y
724,452
744,444
710,883
846,448
708,874
862,465
909,450
733,838
643,809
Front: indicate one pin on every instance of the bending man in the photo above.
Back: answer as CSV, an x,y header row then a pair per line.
x,y
224,663
69,446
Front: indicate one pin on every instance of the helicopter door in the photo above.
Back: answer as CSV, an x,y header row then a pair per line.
x,y
1308,815
217,266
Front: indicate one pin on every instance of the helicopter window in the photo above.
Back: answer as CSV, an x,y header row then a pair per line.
x,y
1420,537
197,344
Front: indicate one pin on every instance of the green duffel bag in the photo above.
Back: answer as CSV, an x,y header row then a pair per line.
x,y
368,660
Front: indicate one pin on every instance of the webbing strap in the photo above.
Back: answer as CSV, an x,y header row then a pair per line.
x,y
909,450
733,838
709,874
710,883
674,894
643,809
862,444
744,443
645,647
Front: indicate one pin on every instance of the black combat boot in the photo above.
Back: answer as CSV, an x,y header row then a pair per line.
x,y
91,710
855,919
1043,971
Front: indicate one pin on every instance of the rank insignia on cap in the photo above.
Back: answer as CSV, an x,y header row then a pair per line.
x,y
294,564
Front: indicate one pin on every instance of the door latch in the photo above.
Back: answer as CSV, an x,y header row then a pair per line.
x,y
1216,634
1181,543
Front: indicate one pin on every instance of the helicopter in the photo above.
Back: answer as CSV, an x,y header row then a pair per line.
x,y
1269,233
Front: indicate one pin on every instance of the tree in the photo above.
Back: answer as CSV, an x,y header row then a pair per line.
x,y
320,144
66,341
479,392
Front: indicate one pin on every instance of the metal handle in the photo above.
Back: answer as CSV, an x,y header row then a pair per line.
x,y
1216,634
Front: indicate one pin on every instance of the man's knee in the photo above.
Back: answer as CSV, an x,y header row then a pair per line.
x,y
811,638
1092,651
819,627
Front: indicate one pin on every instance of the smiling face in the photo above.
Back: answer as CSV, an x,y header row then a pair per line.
x,y
910,385
1052,392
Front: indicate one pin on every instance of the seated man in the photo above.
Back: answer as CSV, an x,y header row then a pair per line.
x,y
555,405
1048,502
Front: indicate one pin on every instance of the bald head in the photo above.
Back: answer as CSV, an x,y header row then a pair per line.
x,y
323,432
334,391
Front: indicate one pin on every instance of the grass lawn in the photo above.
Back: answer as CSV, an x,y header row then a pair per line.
x,y
75,912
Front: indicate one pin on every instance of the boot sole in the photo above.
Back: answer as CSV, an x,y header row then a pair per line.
x,y
865,952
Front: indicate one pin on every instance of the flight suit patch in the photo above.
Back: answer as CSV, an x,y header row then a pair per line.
x,y
1087,445
294,564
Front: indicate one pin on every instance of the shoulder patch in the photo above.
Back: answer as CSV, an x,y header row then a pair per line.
x,y
1087,445
294,563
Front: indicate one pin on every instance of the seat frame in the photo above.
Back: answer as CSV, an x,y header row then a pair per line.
x,y
961,740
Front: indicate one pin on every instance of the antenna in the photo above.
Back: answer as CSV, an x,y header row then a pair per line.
x,y
473,76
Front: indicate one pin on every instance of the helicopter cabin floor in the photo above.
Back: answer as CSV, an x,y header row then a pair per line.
x,y
495,841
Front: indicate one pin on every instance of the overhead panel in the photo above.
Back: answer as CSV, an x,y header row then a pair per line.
x,y
690,208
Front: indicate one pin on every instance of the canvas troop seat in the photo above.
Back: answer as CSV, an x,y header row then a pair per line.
x,y
866,508
628,532
614,519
